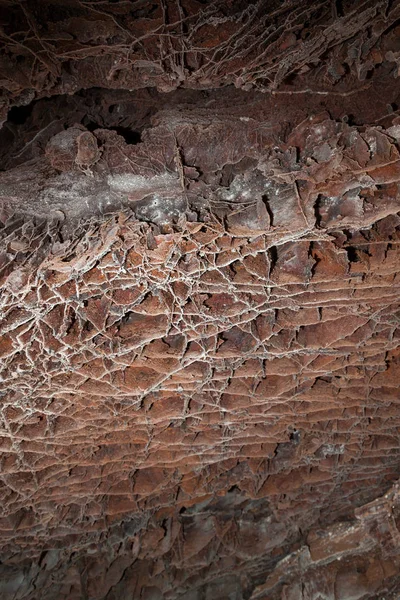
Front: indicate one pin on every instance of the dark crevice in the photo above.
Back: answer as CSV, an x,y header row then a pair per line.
x,y
18,115
273,257
352,254
314,256
295,436
317,207
130,136
339,8
349,119
269,210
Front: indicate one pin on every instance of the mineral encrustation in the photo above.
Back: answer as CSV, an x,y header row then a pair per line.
x,y
200,318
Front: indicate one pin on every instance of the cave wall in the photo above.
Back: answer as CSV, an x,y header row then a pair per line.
x,y
199,271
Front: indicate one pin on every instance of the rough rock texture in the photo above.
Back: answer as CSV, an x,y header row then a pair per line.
x,y
199,271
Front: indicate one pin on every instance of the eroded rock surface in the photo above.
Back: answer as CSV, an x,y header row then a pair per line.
x,y
200,342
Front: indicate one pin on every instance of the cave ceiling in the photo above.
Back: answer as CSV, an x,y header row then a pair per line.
x,y
199,308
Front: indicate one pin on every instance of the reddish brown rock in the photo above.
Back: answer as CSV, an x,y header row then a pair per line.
x,y
199,271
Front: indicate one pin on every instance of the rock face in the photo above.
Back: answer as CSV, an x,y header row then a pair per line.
x,y
199,271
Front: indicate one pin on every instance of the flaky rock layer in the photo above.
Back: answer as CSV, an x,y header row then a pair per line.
x,y
199,270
